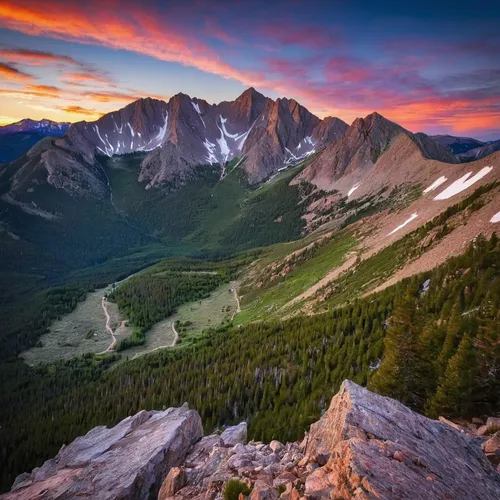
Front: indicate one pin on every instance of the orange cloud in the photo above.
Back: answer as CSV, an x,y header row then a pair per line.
x,y
34,57
129,28
12,74
79,110
85,77
401,96
106,96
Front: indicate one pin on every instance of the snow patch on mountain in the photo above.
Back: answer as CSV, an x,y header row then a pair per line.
x,y
196,106
356,186
435,184
306,147
223,147
462,184
210,147
407,221
496,218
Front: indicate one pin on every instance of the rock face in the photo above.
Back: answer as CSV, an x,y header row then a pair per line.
x,y
363,149
129,460
375,447
181,136
364,447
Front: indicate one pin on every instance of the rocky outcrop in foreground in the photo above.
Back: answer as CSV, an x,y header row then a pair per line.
x,y
364,447
126,461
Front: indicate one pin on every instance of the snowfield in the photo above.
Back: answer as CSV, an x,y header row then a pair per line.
x,y
407,221
356,186
435,184
496,217
462,184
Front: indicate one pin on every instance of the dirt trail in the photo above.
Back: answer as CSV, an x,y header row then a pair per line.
x,y
238,307
174,342
176,337
111,346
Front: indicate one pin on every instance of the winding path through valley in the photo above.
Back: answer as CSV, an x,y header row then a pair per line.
x,y
112,346
176,336
238,308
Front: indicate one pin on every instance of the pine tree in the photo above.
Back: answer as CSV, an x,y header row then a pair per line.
x,y
451,340
455,389
403,371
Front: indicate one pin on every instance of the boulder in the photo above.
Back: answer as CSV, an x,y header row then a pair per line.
x,y
493,424
175,480
262,491
378,448
276,446
284,478
128,461
492,449
234,435
318,485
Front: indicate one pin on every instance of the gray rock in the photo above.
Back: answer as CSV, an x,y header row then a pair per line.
x,y
276,446
240,449
128,461
239,461
199,452
234,435
272,469
263,492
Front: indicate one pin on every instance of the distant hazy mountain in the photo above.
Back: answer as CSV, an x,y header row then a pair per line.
x,y
480,152
457,145
17,138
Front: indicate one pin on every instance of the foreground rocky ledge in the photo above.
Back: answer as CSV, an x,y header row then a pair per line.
x,y
364,447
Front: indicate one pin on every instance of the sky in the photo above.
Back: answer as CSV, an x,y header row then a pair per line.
x,y
431,66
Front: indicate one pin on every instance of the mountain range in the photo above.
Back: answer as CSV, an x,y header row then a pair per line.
x,y
279,254
183,135
189,174
18,138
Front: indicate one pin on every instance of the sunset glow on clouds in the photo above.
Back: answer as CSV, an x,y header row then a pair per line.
x,y
431,69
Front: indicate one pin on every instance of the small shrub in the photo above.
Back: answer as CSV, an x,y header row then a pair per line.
x,y
233,489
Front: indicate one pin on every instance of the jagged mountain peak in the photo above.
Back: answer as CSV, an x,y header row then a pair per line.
x,y
180,97
250,94
375,121
186,133
248,106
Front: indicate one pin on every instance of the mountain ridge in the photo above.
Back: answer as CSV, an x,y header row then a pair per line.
x,y
361,150
185,133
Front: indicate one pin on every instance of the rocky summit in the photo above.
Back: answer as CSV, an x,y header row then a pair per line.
x,y
365,446
181,136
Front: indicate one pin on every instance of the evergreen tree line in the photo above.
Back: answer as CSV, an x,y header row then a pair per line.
x,y
435,347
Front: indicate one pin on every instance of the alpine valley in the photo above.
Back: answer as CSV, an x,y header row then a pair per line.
x,y
247,257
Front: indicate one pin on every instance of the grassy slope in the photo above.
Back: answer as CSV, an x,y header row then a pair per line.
x,y
265,301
